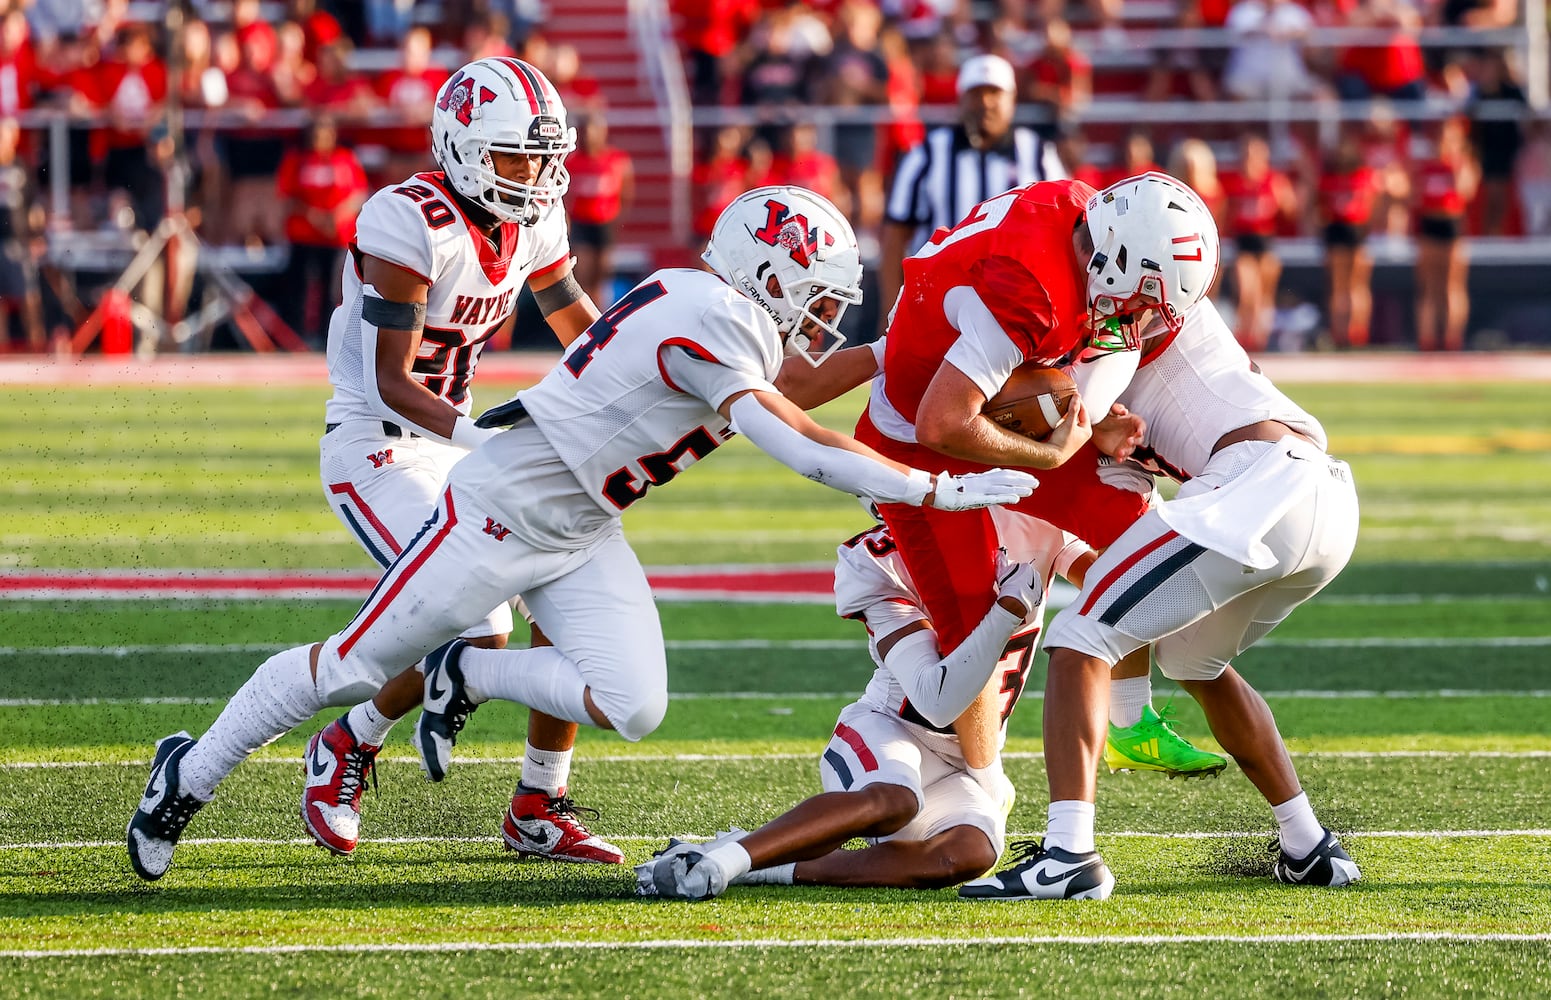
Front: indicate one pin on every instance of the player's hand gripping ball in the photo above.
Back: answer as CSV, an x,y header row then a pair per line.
x,y
1033,401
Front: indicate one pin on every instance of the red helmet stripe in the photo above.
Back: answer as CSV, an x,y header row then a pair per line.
x,y
538,103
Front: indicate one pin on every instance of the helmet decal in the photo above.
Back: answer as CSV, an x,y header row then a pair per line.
x,y
791,232
458,97
1192,238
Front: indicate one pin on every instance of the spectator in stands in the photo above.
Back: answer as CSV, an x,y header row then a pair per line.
x,y
407,93
1392,69
602,188
1483,14
856,75
1386,145
1200,67
803,163
778,81
202,88
292,71
720,175
1348,190
338,89
18,66
485,36
1533,178
904,129
1266,62
710,31
1059,80
67,75
1444,185
322,187
958,166
1260,198
1194,163
252,152
1497,140
581,92
387,20
1072,147
250,27
21,230
939,64
1137,157
131,90
319,26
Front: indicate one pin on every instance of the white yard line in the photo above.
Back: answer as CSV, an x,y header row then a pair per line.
x,y
820,696
1362,642
434,947
713,758
77,845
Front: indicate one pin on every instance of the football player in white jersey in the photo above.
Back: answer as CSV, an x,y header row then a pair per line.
x,y
434,272
657,383
894,773
1265,519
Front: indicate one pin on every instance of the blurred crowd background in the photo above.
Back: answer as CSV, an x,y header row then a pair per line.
x,y
1371,163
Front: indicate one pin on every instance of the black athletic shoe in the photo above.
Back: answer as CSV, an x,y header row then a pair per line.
x,y
1327,864
447,708
1045,874
155,827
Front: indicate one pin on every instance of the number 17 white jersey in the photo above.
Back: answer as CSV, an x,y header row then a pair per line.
x,y
634,400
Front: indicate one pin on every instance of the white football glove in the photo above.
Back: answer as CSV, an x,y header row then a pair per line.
x,y
1019,581
982,489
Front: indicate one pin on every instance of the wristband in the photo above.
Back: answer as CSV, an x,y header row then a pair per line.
x,y
878,346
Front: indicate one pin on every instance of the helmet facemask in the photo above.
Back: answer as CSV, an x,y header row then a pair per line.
x,y
804,327
521,203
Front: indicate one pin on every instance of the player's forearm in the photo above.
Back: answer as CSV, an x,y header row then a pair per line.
x,y
809,387
977,729
977,439
942,688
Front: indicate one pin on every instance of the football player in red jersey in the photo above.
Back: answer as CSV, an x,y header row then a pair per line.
x,y
1043,273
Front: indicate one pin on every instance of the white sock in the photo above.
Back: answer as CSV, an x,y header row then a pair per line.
x,y
540,678
1127,697
1069,826
278,697
732,859
774,875
369,725
546,770
990,777
1301,832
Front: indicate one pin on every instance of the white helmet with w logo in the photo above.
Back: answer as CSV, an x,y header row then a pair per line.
x,y
1155,246
788,248
506,106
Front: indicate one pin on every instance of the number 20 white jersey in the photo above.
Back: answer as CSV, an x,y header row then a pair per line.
x,y
613,409
420,227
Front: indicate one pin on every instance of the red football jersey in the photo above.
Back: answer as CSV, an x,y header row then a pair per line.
x,y
1348,196
1438,185
1252,204
1016,252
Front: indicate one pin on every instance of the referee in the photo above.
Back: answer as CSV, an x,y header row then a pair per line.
x,y
956,167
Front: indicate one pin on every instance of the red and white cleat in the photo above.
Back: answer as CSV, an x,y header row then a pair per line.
x,y
544,826
338,768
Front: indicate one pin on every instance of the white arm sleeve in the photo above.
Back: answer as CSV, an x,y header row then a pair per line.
x,y
834,467
1101,377
942,687
983,351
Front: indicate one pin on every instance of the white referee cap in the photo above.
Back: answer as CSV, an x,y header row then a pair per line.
x,y
987,71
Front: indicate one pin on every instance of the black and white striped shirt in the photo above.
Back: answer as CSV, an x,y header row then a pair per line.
x,y
942,179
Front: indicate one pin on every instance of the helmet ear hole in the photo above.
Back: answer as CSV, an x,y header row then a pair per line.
x,y
773,287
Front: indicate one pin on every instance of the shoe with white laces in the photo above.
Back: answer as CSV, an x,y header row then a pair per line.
x,y
338,769
446,710
1327,865
1042,873
688,875
164,811
541,825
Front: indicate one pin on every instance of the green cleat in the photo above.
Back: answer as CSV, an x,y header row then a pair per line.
x,y
1153,745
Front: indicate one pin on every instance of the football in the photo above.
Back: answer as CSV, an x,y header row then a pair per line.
x,y
1033,401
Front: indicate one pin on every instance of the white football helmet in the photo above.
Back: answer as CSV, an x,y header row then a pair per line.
x,y
502,105
787,248
1155,246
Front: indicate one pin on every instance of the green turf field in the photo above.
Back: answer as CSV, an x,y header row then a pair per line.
x,y
1414,693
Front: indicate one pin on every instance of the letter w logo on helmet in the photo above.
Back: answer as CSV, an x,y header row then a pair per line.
x,y
792,232
458,97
